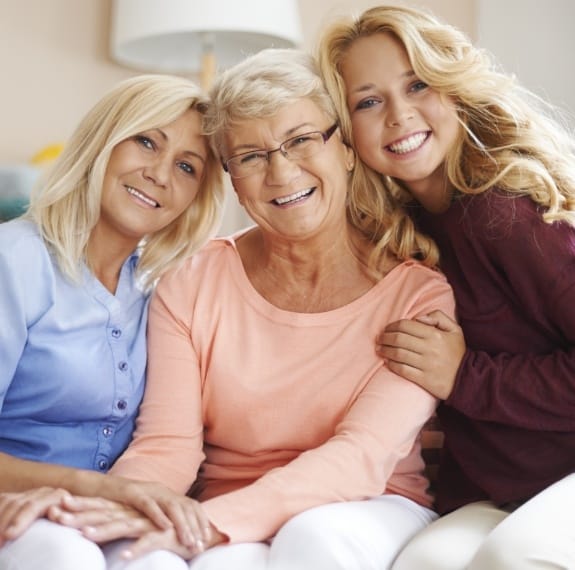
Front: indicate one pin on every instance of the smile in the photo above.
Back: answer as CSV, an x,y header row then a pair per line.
x,y
293,197
142,197
409,144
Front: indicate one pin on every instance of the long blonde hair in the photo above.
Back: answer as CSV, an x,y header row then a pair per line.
x,y
66,206
509,137
257,87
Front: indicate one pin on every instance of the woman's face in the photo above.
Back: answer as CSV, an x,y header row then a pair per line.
x,y
401,127
291,198
152,178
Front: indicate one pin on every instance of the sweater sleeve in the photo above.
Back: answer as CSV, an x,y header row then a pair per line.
x,y
529,388
168,441
355,463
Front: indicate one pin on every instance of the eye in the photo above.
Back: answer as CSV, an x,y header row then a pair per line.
x,y
250,157
187,168
367,103
145,141
417,86
300,140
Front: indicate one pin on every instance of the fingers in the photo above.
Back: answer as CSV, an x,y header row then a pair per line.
x,y
159,540
116,529
440,320
19,510
168,509
150,507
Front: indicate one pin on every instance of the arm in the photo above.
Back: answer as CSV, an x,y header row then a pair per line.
x,y
28,284
355,463
524,375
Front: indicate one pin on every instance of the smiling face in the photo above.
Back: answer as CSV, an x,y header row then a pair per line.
x,y
151,178
292,199
402,127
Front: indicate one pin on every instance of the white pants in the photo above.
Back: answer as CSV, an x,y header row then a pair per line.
x,y
539,535
363,535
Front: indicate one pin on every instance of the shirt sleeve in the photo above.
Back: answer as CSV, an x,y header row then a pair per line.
x,y
168,440
529,390
25,286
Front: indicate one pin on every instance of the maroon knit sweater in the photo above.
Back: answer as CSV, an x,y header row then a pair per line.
x,y
510,420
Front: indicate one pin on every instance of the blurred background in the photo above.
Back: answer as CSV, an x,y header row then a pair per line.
x,y
56,62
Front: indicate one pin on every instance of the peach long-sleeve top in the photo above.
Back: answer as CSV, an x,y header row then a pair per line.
x,y
270,412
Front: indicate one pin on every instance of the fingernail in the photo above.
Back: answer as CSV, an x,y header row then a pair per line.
x,y
127,554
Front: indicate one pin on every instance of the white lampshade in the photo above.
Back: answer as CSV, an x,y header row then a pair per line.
x,y
173,35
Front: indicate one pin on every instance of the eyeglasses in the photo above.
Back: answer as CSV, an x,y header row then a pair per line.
x,y
295,148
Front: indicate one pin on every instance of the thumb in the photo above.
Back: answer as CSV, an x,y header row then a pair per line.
x,y
439,320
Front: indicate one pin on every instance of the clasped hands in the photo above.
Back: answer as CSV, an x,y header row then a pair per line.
x,y
152,514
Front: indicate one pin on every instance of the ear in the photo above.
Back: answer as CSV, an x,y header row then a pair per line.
x,y
349,158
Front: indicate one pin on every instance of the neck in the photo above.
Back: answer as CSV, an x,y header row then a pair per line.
x,y
105,259
308,276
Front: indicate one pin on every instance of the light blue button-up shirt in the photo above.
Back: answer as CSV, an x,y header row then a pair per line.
x,y
72,357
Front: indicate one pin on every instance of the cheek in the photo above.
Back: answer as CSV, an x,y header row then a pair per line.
x,y
186,196
366,136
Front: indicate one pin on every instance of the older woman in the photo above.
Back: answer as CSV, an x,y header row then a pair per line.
x,y
264,388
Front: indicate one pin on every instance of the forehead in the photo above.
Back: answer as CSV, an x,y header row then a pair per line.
x,y
372,55
289,120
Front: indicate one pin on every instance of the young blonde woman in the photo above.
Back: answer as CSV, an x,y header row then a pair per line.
x,y
135,191
486,171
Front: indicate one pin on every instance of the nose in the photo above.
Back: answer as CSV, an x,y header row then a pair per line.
x,y
280,170
398,112
157,171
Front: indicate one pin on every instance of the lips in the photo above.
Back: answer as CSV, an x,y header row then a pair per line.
x,y
295,197
409,144
141,196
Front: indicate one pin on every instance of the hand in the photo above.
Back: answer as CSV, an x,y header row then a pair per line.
x,y
19,510
167,540
426,351
103,520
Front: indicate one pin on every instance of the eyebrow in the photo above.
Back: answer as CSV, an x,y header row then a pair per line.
x,y
247,147
369,86
189,153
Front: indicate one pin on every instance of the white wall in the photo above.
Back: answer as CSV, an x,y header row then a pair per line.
x,y
533,39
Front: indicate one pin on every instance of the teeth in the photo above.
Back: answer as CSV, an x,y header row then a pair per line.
x,y
293,197
142,197
408,144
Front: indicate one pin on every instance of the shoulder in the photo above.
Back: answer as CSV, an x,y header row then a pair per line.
x,y
212,259
420,287
22,244
498,214
21,230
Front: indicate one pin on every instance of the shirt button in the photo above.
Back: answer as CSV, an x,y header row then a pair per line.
x,y
122,404
107,431
116,333
123,366
102,465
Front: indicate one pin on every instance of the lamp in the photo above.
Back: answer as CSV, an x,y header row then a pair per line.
x,y
175,36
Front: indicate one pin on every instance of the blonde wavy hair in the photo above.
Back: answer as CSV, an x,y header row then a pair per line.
x,y
66,205
272,78
510,138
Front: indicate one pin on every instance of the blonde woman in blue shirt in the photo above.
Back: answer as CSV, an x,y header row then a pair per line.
x,y
135,190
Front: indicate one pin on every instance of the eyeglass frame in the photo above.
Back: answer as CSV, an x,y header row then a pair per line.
x,y
325,135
